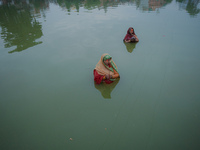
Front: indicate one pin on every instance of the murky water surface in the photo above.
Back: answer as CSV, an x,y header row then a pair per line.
x,y
48,50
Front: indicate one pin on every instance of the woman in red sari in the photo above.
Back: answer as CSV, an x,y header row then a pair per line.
x,y
131,36
106,70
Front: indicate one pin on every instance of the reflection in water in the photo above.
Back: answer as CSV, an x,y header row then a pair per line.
x,y
21,29
152,5
190,5
70,4
106,89
145,5
39,7
130,46
89,4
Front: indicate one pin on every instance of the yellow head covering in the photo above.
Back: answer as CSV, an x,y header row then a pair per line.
x,y
102,69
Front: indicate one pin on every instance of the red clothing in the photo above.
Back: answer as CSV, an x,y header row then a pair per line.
x,y
129,35
99,78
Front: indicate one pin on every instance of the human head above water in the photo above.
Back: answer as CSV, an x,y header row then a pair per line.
x,y
107,59
131,30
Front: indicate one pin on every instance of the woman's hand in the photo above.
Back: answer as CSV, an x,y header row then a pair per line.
x,y
108,76
137,40
127,41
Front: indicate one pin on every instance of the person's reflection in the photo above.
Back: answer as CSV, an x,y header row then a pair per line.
x,y
19,28
106,89
130,46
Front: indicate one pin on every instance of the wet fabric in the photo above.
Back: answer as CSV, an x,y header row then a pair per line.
x,y
129,36
101,69
99,78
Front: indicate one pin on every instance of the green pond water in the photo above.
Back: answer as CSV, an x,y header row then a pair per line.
x,y
49,101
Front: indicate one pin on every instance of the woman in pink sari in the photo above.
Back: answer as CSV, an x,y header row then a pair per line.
x,y
131,36
106,70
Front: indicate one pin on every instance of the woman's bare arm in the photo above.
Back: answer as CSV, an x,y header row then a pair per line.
x,y
116,74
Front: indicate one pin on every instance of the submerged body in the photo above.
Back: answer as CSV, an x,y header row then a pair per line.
x,y
106,70
130,36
